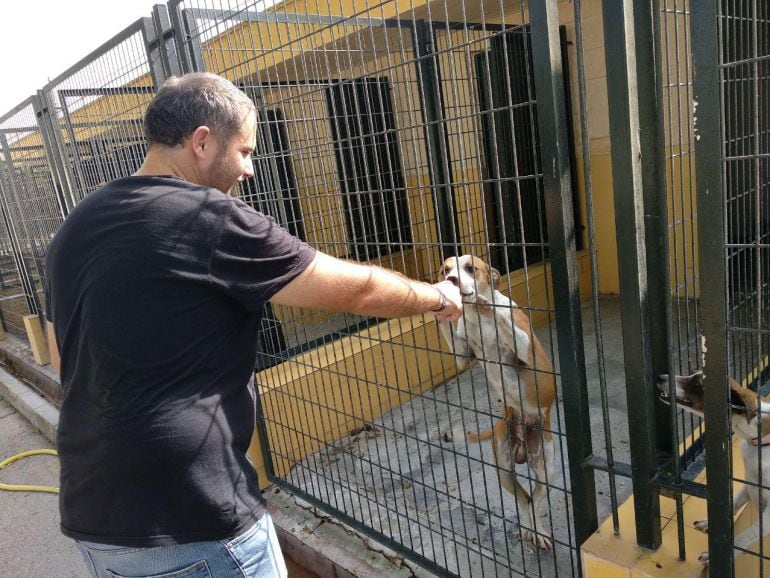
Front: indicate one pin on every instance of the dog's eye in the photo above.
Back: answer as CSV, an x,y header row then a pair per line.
x,y
469,268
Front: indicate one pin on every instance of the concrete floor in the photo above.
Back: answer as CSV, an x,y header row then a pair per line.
x,y
31,544
443,500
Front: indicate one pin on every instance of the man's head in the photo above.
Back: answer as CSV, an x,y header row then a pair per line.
x,y
207,124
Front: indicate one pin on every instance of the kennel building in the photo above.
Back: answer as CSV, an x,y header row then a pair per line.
x,y
564,143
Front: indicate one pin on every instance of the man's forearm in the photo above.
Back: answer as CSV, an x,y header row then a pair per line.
x,y
389,294
347,286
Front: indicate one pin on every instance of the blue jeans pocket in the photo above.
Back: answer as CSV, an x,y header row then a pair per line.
x,y
198,570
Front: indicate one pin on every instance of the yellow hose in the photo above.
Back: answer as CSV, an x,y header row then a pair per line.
x,y
24,488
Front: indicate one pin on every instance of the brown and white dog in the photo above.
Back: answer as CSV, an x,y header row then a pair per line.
x,y
498,333
750,418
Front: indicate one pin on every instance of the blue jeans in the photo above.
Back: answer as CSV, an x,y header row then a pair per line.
x,y
254,554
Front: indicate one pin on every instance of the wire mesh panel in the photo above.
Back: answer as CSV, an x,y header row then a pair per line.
x,y
678,117
745,37
746,46
731,82
99,106
397,135
32,214
676,72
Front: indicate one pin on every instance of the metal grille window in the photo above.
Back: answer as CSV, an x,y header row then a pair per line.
x,y
372,182
512,164
273,188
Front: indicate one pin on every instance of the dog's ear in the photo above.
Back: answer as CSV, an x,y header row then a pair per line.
x,y
738,404
494,277
736,401
439,275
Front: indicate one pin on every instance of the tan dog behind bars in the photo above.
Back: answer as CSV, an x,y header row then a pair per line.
x,y
498,333
750,419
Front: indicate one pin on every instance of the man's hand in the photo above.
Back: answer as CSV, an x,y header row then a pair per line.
x,y
454,301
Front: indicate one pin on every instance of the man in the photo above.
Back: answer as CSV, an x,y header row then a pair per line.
x,y
155,287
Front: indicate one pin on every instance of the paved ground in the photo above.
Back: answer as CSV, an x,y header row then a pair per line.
x,y
31,545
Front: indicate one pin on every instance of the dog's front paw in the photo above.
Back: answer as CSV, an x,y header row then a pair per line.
x,y
702,525
704,558
540,540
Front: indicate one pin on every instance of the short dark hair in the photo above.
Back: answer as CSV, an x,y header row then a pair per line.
x,y
197,99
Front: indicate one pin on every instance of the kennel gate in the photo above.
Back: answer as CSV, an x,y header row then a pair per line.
x,y
396,135
371,139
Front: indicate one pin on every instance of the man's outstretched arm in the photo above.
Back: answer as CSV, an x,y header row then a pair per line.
x,y
339,285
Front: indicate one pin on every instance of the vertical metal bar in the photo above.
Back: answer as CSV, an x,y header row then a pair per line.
x,y
186,39
57,140
152,47
74,156
554,150
653,161
627,176
435,137
181,37
709,179
653,168
193,47
53,155
593,261
160,44
261,425
166,33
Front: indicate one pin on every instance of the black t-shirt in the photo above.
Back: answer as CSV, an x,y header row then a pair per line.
x,y
155,288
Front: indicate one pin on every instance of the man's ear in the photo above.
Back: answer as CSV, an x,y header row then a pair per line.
x,y
200,141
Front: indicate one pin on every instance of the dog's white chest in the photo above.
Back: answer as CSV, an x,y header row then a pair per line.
x,y
483,338
751,461
751,467
498,359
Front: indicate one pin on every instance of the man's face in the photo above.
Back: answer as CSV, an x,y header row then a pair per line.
x,y
232,162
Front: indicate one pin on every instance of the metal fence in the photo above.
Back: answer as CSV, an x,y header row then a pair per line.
x,y
400,135
731,159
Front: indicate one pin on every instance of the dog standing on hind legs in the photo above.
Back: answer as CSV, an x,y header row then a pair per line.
x,y
750,419
498,333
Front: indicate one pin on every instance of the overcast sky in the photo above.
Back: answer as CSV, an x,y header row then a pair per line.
x,y
39,39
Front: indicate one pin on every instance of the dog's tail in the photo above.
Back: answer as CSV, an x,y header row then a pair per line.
x,y
458,434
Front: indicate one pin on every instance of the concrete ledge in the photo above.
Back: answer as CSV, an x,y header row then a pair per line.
x,y
19,361
316,540
39,411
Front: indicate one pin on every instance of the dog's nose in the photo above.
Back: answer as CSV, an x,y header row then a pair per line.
x,y
662,379
454,279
